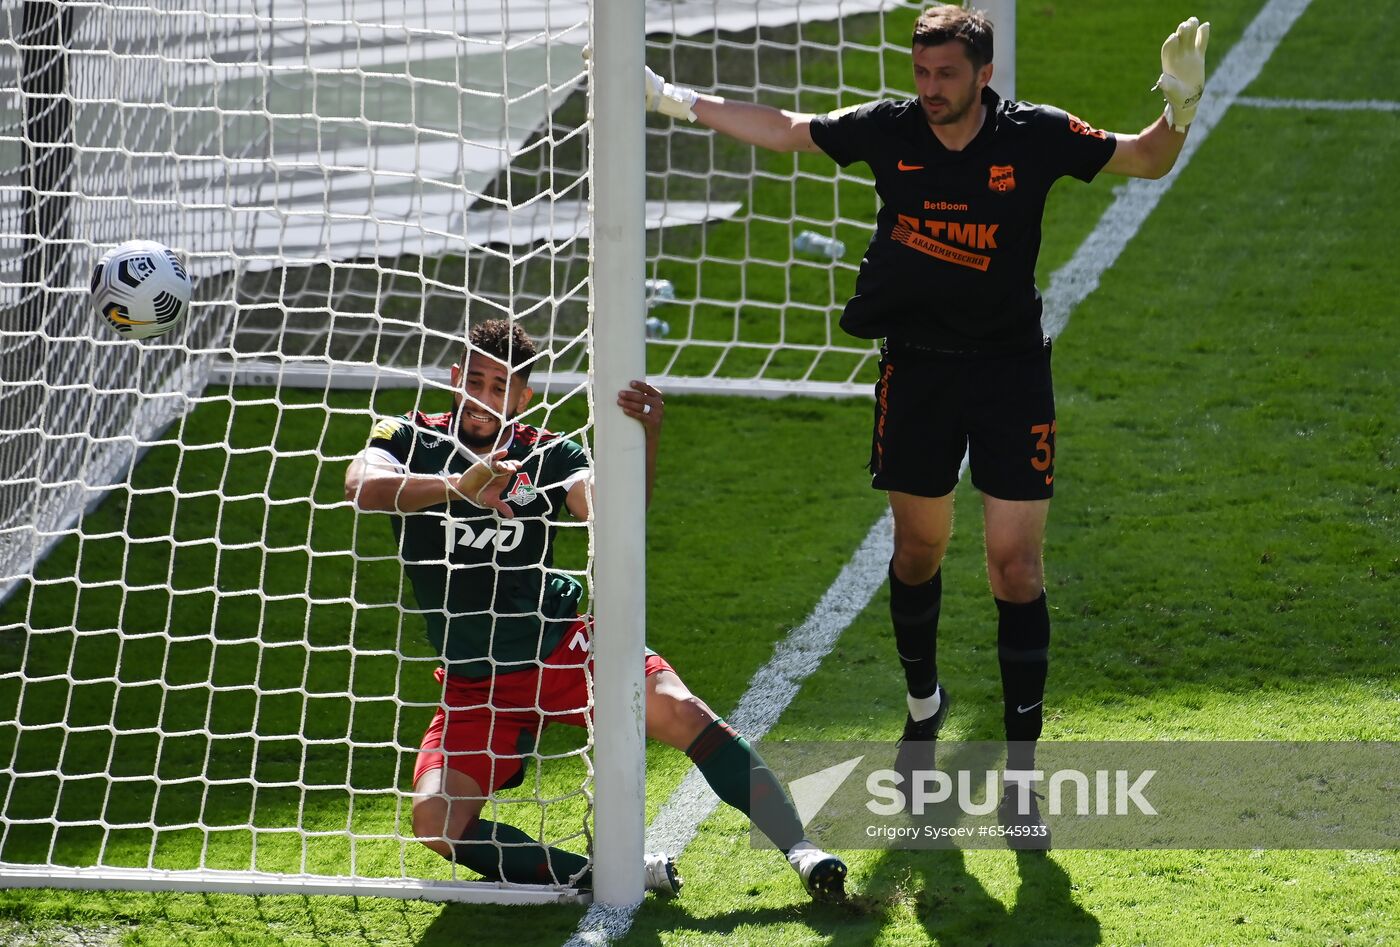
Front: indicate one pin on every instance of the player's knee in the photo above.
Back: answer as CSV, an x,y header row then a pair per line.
x,y
430,825
677,721
1016,578
917,558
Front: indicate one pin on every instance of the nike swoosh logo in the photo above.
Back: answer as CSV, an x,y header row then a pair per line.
x,y
1021,710
908,167
1049,479
115,315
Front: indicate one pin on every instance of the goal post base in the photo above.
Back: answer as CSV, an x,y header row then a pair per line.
x,y
262,883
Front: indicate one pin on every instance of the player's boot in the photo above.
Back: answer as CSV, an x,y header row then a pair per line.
x,y
661,874
823,873
1025,831
916,746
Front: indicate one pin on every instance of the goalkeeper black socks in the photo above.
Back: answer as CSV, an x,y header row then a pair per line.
x,y
740,778
502,852
914,612
1023,648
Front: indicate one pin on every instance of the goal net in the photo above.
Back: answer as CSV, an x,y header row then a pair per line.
x,y
212,671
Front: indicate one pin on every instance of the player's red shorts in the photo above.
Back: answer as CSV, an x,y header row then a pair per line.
x,y
487,728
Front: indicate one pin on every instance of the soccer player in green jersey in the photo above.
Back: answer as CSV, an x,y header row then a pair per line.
x,y
475,498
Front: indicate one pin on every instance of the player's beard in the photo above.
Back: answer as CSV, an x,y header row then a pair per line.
x,y
478,443
954,111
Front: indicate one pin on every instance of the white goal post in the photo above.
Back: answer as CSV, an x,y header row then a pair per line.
x,y
213,675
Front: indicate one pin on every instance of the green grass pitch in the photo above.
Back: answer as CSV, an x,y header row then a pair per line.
x,y
1222,563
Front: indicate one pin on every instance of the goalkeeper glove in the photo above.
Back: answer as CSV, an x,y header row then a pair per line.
x,y
1183,77
673,100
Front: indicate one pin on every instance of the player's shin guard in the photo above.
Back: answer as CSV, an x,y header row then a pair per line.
x,y
740,778
502,852
914,612
1023,647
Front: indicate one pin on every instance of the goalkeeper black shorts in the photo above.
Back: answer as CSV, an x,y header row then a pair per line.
x,y
932,407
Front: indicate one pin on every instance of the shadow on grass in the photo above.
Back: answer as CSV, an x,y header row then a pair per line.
x,y
483,924
954,907
934,886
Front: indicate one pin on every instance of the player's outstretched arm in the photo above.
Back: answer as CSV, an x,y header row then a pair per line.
x,y
749,122
1152,153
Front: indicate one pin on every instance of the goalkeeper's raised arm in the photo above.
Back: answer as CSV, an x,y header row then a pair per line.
x,y
749,122
1148,154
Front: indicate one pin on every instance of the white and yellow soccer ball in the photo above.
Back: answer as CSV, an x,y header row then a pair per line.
x,y
141,289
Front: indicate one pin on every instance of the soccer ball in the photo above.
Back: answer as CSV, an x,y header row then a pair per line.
x,y
141,288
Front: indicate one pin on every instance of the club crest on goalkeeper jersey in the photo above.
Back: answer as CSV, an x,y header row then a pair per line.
x,y
483,583
952,262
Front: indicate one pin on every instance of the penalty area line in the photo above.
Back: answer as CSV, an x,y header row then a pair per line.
x,y
797,656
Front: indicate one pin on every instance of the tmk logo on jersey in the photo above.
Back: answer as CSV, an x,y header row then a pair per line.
x,y
522,491
506,535
1002,178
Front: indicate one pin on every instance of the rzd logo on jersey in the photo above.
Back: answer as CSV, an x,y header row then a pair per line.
x,y
506,535
1002,178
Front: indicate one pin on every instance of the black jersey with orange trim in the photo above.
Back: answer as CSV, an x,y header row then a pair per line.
x,y
484,583
952,262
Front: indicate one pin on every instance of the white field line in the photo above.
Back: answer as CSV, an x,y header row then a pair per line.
x,y
797,656
1320,105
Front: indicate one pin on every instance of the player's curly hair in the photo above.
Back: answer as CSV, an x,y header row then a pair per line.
x,y
946,22
504,340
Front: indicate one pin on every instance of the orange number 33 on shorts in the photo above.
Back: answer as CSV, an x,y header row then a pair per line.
x,y
1044,448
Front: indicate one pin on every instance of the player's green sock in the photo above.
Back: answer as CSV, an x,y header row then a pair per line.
x,y
739,777
502,852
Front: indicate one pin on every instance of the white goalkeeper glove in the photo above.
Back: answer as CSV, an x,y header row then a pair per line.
x,y
1183,77
673,100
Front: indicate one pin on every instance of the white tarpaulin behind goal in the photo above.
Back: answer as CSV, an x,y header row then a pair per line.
x,y
211,675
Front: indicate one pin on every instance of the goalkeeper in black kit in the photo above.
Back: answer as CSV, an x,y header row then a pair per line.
x,y
948,282
476,496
